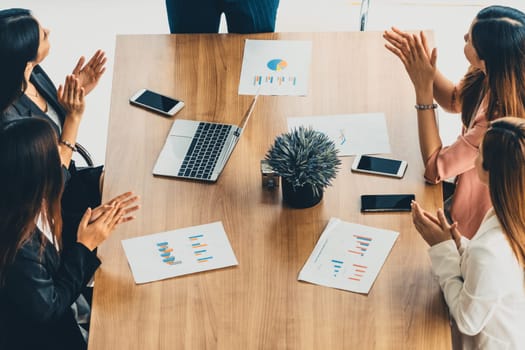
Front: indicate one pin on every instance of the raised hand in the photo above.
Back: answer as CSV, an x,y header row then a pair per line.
x,y
71,97
418,59
433,229
89,74
97,224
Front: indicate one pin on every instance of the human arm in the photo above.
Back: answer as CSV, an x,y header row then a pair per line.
x,y
459,157
444,90
420,64
446,93
89,74
43,291
71,97
472,285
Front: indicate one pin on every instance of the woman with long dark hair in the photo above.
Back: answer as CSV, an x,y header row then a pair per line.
x,y
24,44
483,279
41,306
494,86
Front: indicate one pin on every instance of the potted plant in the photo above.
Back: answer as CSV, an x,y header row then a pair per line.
x,y
307,162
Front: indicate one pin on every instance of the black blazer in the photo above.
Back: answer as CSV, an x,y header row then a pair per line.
x,y
23,106
35,302
82,184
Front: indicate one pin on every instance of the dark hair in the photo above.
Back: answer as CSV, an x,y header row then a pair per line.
x,y
498,36
30,184
503,150
19,41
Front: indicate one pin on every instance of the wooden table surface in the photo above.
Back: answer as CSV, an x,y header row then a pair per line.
x,y
259,304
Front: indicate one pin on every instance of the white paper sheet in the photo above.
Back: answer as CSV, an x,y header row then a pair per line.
x,y
348,256
179,252
275,67
352,134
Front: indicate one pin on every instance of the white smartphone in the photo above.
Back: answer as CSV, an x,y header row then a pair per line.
x,y
379,166
156,102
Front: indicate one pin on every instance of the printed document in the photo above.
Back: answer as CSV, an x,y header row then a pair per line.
x,y
275,67
352,134
179,252
348,256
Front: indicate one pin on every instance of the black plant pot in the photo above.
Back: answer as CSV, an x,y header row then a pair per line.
x,y
302,197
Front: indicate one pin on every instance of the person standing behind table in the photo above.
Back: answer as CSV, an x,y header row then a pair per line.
x,y
483,279
41,306
204,16
24,44
493,86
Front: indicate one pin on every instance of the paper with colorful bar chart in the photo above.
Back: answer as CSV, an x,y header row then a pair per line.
x,y
179,252
275,67
348,256
363,133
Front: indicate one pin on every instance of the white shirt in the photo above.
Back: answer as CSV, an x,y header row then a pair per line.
x,y
53,115
44,228
483,285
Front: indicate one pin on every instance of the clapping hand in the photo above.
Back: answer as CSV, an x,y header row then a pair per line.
x,y
89,74
71,96
434,229
98,223
418,59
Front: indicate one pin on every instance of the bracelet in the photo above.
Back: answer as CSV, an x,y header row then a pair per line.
x,y
68,145
425,107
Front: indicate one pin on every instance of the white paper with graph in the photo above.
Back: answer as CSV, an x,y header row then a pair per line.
x,y
275,67
348,256
179,252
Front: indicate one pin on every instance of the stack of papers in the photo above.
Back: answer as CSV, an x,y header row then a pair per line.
x,y
348,256
179,252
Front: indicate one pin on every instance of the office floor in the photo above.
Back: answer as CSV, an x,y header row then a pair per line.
x,y
79,27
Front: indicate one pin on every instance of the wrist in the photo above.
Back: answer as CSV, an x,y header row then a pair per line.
x,y
74,116
425,96
88,245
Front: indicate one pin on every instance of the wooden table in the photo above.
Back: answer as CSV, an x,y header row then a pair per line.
x,y
260,304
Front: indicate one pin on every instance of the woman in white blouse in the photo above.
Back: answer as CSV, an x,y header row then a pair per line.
x,y
483,278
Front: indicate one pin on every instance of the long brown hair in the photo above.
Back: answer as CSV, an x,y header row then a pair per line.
x,y
30,185
498,36
504,158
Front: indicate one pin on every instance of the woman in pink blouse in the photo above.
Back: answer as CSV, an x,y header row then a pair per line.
x,y
494,86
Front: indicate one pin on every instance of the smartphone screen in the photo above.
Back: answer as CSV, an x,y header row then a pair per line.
x,y
380,165
386,202
152,99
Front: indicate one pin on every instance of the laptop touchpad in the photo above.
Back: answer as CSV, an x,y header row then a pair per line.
x,y
179,146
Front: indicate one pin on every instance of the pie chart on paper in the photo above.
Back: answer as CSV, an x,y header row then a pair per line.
x,y
277,64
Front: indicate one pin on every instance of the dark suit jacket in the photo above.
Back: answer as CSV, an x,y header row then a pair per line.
x,y
23,106
82,185
35,302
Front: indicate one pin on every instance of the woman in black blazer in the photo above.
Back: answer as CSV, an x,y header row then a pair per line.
x,y
24,44
40,281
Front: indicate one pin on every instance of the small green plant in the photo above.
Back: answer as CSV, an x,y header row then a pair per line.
x,y
304,156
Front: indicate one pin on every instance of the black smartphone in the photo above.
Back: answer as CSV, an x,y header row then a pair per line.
x,y
156,102
379,166
386,202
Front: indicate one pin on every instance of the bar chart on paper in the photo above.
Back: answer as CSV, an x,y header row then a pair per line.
x,y
275,67
348,256
178,252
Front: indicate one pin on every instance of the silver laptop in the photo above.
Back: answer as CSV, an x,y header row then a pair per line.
x,y
199,150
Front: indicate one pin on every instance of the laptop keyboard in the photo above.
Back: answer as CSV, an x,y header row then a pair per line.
x,y
205,149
